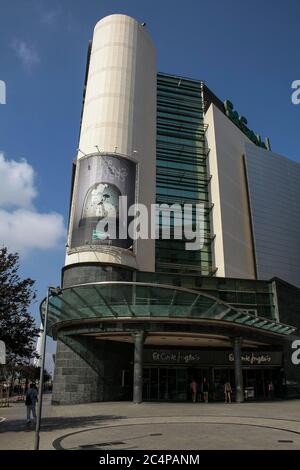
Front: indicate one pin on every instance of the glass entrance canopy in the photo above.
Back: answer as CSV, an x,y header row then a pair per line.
x,y
129,300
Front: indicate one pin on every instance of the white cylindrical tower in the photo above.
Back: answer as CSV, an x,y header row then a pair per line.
x,y
117,143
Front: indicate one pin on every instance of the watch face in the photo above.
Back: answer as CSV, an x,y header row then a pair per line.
x,y
102,200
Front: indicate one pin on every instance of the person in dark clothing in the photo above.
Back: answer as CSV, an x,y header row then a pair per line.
x,y
31,399
271,390
205,390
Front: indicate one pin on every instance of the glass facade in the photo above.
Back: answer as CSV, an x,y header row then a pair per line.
x,y
182,170
182,177
120,300
256,297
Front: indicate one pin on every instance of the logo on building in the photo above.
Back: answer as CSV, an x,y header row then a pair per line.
x,y
241,122
253,358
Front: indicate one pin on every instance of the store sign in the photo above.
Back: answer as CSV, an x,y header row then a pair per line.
x,y
252,358
196,357
241,122
177,357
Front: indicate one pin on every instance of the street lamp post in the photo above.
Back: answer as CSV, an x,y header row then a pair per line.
x,y
50,290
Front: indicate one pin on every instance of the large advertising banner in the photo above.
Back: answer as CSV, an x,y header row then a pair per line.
x,y
101,181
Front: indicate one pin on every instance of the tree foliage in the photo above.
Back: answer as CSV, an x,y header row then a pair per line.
x,y
17,327
31,372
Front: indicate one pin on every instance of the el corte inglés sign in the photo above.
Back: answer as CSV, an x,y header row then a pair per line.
x,y
200,357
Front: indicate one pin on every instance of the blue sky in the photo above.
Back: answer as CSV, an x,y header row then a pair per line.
x,y
246,51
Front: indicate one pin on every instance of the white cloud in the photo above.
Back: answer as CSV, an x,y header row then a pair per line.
x,y
26,53
22,227
49,17
17,183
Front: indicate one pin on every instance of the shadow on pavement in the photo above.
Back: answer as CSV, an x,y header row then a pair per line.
x,y
51,424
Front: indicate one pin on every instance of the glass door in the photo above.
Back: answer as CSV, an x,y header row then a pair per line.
x,y
164,384
163,387
181,384
150,384
172,384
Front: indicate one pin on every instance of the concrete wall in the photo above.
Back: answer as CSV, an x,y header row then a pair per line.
x,y
233,247
119,116
274,190
90,370
74,380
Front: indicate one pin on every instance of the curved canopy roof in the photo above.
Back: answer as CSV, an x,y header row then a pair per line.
x,y
118,300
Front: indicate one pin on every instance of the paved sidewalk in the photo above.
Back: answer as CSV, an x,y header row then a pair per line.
x,y
123,425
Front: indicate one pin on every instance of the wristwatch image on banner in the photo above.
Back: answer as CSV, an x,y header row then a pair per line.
x,y
101,181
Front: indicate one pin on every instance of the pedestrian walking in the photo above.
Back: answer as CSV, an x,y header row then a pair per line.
x,y
31,399
271,390
205,390
194,389
227,392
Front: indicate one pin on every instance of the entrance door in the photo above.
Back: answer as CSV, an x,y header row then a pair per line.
x,y
198,374
259,379
150,384
220,377
172,384
164,384
255,383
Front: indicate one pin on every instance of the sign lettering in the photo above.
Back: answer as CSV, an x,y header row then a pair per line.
x,y
241,122
206,357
